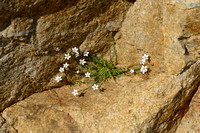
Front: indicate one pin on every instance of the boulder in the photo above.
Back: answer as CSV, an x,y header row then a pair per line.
x,y
190,121
34,36
145,103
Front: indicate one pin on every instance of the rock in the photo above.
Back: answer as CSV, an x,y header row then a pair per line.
x,y
2,121
166,31
139,106
162,30
154,102
34,35
190,122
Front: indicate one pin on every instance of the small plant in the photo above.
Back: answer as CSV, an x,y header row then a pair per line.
x,y
96,70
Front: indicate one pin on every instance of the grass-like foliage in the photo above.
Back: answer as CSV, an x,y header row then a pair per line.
x,y
103,70
96,70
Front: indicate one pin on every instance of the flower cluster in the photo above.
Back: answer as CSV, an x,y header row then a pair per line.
x,y
144,58
95,67
144,68
82,62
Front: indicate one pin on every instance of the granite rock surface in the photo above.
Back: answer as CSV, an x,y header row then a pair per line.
x,y
190,121
34,36
34,39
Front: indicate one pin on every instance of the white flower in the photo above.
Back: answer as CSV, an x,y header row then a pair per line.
x,y
58,78
77,54
143,69
61,69
75,50
57,49
87,75
132,71
145,57
82,61
95,87
65,65
67,56
77,71
142,61
85,53
75,92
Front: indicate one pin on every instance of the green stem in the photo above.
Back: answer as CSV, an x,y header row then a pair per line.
x,y
114,52
87,87
78,81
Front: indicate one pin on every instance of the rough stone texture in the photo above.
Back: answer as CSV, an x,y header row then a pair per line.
x,y
167,30
139,106
190,122
162,30
35,34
